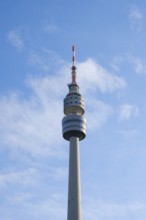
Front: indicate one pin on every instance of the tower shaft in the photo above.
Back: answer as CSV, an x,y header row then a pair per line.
x,y
74,190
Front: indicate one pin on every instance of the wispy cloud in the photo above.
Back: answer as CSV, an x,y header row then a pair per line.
x,y
126,111
51,28
93,76
96,209
136,19
45,60
21,118
24,178
51,206
98,113
116,63
60,173
14,37
138,64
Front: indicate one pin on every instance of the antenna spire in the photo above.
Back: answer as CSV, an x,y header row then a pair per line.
x,y
73,55
73,66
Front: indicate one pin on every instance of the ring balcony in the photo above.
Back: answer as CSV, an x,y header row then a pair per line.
x,y
74,126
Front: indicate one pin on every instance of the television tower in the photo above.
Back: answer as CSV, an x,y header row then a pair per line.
x,y
74,130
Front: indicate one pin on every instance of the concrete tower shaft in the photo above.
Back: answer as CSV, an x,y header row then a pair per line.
x,y
74,185
74,130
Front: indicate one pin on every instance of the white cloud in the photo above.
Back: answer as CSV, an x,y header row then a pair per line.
x,y
126,111
136,19
15,39
31,124
98,113
139,65
93,76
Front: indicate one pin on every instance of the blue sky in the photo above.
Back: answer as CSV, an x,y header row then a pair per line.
x,y
35,54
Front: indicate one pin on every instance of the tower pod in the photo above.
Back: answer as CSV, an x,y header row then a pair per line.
x,y
73,102
74,126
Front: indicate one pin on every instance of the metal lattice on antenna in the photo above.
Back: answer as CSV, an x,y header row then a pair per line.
x,y
73,66
73,55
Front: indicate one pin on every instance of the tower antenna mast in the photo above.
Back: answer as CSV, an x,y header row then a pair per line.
x,y
73,55
73,66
